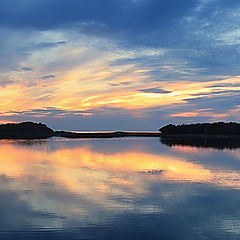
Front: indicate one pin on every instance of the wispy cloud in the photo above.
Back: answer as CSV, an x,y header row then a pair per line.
x,y
153,60
154,90
24,69
48,76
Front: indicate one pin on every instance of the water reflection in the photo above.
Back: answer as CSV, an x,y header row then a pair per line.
x,y
118,188
215,142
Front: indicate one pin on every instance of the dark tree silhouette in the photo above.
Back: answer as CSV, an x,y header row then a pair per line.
x,y
25,130
217,128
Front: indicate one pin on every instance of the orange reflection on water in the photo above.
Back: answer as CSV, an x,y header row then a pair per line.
x,y
85,169
97,176
17,161
189,149
172,167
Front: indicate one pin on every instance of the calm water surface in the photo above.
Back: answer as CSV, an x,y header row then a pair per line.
x,y
128,188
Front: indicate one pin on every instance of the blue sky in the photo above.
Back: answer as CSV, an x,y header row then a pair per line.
x,y
119,64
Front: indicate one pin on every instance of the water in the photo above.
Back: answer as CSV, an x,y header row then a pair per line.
x,y
126,188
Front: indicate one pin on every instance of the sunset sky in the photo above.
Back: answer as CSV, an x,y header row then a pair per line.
x,y
119,64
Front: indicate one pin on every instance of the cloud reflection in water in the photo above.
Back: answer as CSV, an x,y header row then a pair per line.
x,y
61,185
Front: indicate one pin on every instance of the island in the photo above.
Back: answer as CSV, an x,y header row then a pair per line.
x,y
31,130
216,128
25,130
218,135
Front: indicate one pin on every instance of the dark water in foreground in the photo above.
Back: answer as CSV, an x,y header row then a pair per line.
x,y
117,189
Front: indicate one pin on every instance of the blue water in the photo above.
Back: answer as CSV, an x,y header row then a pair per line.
x,y
126,188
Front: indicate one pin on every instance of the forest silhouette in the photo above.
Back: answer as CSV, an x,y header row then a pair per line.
x,y
218,135
217,128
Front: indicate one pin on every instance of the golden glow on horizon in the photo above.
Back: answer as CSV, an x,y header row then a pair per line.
x,y
93,84
87,76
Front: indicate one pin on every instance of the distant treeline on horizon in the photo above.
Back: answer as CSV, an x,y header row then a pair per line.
x,y
30,130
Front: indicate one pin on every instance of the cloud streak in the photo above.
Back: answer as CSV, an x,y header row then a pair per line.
x,y
153,60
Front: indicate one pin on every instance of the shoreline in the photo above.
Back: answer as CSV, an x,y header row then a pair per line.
x,y
194,135
68,134
193,132
119,134
72,134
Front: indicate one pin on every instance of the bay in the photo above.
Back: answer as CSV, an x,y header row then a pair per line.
x,y
125,188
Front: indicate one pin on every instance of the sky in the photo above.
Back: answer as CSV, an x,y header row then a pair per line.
x,y
119,64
